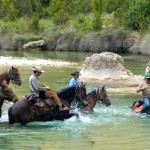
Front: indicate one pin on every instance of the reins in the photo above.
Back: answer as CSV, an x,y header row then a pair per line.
x,y
101,98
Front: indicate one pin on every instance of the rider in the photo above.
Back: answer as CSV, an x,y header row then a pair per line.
x,y
39,90
74,81
144,87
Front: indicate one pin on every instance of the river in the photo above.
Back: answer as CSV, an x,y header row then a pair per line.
x,y
112,128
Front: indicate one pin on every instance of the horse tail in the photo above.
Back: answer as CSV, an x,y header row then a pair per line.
x,y
11,121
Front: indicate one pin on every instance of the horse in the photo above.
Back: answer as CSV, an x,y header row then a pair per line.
x,y
11,75
8,94
22,112
98,95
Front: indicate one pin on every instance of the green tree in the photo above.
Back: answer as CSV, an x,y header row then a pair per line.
x,y
35,23
97,7
135,15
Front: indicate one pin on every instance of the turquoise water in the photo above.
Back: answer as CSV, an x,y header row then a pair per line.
x,y
112,128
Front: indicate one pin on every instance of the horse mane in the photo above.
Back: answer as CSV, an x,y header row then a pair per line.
x,y
93,93
68,92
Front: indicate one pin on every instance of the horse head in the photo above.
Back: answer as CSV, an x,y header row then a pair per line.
x,y
15,76
81,92
100,96
8,93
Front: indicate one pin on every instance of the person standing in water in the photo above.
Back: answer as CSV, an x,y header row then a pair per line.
x,y
144,87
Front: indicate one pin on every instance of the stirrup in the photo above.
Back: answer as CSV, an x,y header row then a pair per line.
x,y
63,108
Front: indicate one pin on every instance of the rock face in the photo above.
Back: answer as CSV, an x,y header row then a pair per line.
x,y
34,44
105,66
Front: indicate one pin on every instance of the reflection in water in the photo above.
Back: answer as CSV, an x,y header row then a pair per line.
x,y
112,128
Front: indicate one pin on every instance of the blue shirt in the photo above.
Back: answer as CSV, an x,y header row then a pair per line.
x,y
74,82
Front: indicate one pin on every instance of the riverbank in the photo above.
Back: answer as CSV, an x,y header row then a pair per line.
x,y
110,40
7,61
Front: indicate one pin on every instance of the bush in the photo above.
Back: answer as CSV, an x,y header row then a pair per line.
x,y
97,22
135,15
60,18
35,23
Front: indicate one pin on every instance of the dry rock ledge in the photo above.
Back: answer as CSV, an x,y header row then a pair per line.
x,y
107,67
7,61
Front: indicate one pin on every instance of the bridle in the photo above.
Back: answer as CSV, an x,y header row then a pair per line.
x,y
78,93
101,99
97,96
12,78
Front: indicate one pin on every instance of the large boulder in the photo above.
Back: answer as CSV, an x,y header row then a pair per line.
x,y
34,44
105,66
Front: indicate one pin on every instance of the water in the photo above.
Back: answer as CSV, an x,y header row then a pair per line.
x,y
115,127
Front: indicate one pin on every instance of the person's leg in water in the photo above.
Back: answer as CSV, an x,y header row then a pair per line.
x,y
53,95
146,104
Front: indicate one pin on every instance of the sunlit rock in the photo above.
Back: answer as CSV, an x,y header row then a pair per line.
x,y
34,44
105,66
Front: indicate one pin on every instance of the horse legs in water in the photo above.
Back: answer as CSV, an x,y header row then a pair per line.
x,y
21,120
20,112
11,121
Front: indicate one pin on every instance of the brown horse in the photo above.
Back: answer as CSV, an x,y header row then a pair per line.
x,y
22,112
96,96
6,93
11,75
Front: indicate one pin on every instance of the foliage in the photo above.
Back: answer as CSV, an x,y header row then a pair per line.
x,y
35,23
97,22
135,15
61,17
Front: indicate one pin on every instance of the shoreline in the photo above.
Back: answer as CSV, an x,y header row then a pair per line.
x,y
7,61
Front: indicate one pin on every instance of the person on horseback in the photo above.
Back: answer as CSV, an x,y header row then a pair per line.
x,y
74,81
144,87
40,90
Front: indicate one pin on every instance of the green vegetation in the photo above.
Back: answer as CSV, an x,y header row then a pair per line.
x,y
63,23
81,15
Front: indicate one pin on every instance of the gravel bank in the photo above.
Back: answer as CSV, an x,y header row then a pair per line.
x,y
7,61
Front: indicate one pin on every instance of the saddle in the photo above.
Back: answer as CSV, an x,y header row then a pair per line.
x,y
38,105
39,108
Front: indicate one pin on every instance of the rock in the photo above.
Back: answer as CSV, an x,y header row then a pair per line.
x,y
105,66
34,44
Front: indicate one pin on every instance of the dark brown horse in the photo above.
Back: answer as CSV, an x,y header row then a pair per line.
x,y
11,75
22,112
6,93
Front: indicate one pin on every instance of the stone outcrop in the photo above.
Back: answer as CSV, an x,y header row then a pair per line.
x,y
34,44
105,66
